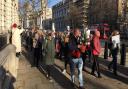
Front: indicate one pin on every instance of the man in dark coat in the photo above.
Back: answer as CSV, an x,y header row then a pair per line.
x,y
75,60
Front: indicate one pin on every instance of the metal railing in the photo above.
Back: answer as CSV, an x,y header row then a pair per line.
x,y
3,40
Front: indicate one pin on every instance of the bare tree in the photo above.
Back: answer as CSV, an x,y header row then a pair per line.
x,y
73,15
30,8
101,11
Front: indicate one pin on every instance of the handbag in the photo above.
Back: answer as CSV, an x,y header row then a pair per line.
x,y
76,54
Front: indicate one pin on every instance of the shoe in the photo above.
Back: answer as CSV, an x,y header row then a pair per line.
x,y
64,71
109,68
50,80
47,76
115,73
99,76
84,69
92,73
72,84
81,87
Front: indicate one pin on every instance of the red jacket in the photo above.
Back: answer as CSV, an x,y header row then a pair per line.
x,y
97,46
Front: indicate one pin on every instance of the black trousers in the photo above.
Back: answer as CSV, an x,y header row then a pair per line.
x,y
36,56
84,58
114,61
49,70
90,55
66,62
95,65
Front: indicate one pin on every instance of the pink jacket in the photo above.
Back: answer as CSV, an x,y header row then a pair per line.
x,y
97,46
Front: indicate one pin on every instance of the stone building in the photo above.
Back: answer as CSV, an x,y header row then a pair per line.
x,y
8,14
123,18
60,12
62,16
83,8
45,17
103,11
47,20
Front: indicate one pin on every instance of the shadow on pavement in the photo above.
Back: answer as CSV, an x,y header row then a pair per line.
x,y
29,57
89,84
60,79
121,69
110,74
65,83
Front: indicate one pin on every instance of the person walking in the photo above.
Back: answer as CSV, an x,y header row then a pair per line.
x,y
96,49
49,57
36,47
75,57
66,53
115,40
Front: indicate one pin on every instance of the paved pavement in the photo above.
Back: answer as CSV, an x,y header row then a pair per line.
x,y
108,80
34,78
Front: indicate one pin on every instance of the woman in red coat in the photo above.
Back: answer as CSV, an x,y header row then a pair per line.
x,y
96,49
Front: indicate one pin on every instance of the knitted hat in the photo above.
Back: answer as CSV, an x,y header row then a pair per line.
x,y
14,25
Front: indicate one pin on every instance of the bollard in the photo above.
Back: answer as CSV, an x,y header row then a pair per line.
x,y
106,50
123,54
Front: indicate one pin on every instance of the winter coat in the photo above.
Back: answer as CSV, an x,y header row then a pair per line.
x,y
73,47
35,40
96,46
16,38
49,47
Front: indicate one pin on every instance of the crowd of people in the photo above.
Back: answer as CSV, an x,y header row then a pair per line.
x,y
73,46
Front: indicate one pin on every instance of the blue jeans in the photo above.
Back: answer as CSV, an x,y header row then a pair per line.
x,y
79,63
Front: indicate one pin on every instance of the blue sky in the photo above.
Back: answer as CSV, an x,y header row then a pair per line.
x,y
50,2
53,2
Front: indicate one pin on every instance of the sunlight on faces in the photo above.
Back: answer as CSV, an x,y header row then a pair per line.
x,y
77,32
97,33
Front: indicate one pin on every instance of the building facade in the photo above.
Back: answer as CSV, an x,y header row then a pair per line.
x,y
83,8
123,18
8,14
47,20
63,14
44,19
103,11
60,12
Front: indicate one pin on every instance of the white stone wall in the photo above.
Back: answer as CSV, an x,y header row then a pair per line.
x,y
8,14
1,15
8,60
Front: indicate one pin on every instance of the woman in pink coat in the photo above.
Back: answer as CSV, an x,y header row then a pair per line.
x,y
96,49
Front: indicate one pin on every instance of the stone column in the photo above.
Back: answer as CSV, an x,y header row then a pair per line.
x,y
1,16
8,6
16,12
13,5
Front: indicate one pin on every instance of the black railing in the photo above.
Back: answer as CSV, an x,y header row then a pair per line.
x,y
3,40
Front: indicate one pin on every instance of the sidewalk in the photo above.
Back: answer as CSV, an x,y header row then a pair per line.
x,y
30,77
108,80
33,78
